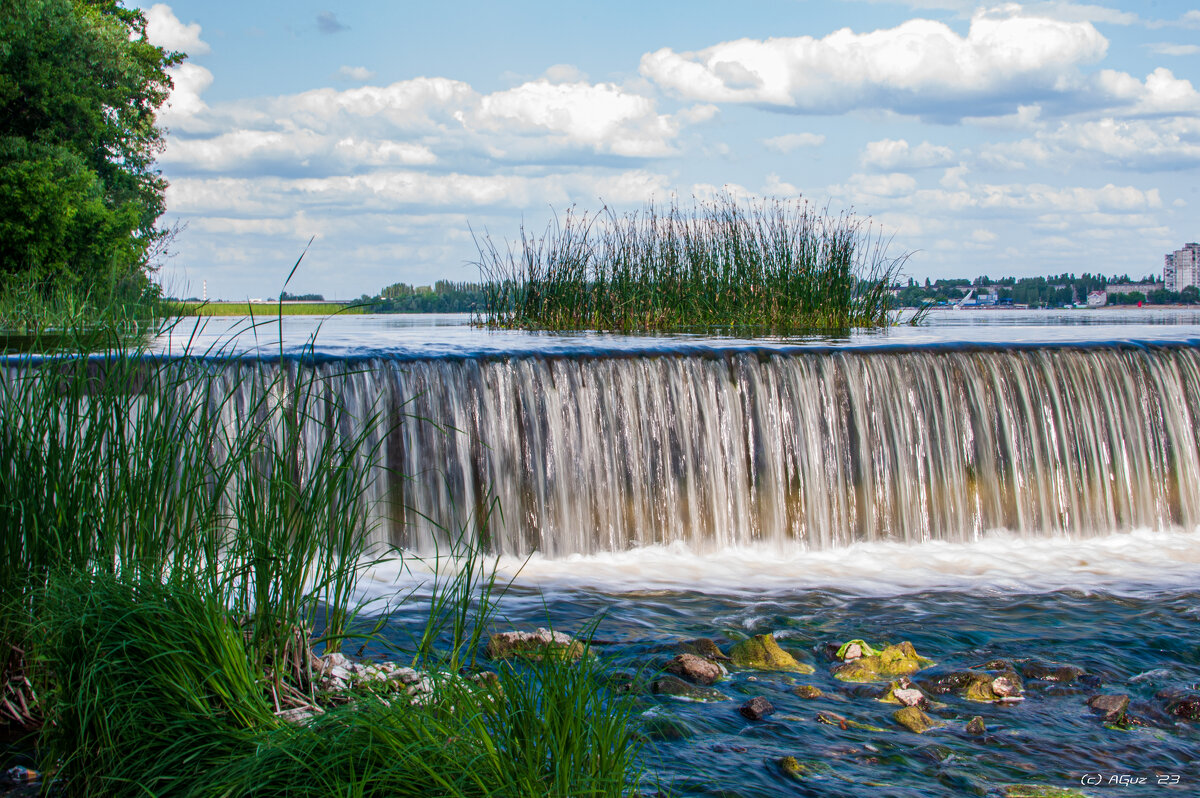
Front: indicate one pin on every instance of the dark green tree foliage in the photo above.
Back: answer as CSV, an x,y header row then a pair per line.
x,y
79,195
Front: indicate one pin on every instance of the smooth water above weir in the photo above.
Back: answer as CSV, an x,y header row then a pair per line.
x,y
588,454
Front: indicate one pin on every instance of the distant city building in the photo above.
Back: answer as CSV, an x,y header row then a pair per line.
x,y
1097,299
1181,268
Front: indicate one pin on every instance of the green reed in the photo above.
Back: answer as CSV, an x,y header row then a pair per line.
x,y
175,531
721,266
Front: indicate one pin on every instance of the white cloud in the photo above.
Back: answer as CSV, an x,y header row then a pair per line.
x,y
1152,144
888,155
793,141
164,29
599,116
387,190
357,74
564,73
920,66
185,103
1168,48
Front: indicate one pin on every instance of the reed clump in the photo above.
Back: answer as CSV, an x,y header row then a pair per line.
x,y
181,537
722,266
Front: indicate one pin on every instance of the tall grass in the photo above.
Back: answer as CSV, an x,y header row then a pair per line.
x,y
722,265
175,531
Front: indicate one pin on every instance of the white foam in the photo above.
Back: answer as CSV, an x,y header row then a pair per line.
x,y
1129,563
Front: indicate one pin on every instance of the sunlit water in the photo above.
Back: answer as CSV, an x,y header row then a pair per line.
x,y
993,484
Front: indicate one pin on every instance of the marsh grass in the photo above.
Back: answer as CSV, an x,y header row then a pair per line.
x,y
185,309
721,266
176,528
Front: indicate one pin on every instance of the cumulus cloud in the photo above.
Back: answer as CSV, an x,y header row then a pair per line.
x,y
1166,143
888,155
919,67
408,122
354,74
164,29
793,141
185,104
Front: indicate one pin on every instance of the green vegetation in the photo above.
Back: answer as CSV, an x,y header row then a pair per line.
x,y
445,297
176,308
722,266
79,197
182,536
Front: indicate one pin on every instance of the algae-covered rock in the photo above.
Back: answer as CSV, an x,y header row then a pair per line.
x,y
790,766
986,688
763,653
533,645
675,687
702,647
976,726
834,719
898,660
854,649
1041,791
913,719
903,692
807,691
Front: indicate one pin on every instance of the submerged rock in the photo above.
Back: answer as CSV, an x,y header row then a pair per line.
x,y
702,647
976,726
1111,706
757,708
1051,672
790,766
675,687
913,719
695,669
898,660
834,719
533,645
1041,791
1186,707
763,653
807,691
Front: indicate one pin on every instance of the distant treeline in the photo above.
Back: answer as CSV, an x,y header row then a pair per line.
x,y
444,297
1052,291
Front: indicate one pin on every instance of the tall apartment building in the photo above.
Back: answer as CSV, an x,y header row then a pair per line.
x,y
1181,268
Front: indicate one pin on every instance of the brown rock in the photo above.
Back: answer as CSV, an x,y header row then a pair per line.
x,y
756,708
975,726
695,669
1111,706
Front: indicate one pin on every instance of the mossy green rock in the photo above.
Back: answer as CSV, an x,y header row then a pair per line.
x,y
1039,791
798,770
763,653
807,691
898,660
913,719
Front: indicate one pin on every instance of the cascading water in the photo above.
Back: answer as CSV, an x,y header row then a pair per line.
x,y
587,454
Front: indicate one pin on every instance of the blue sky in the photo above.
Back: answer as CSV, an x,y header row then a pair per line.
x,y
998,139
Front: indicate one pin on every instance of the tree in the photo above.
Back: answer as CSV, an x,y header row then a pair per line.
x,y
80,86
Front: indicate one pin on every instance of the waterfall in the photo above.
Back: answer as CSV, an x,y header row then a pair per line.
x,y
593,453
